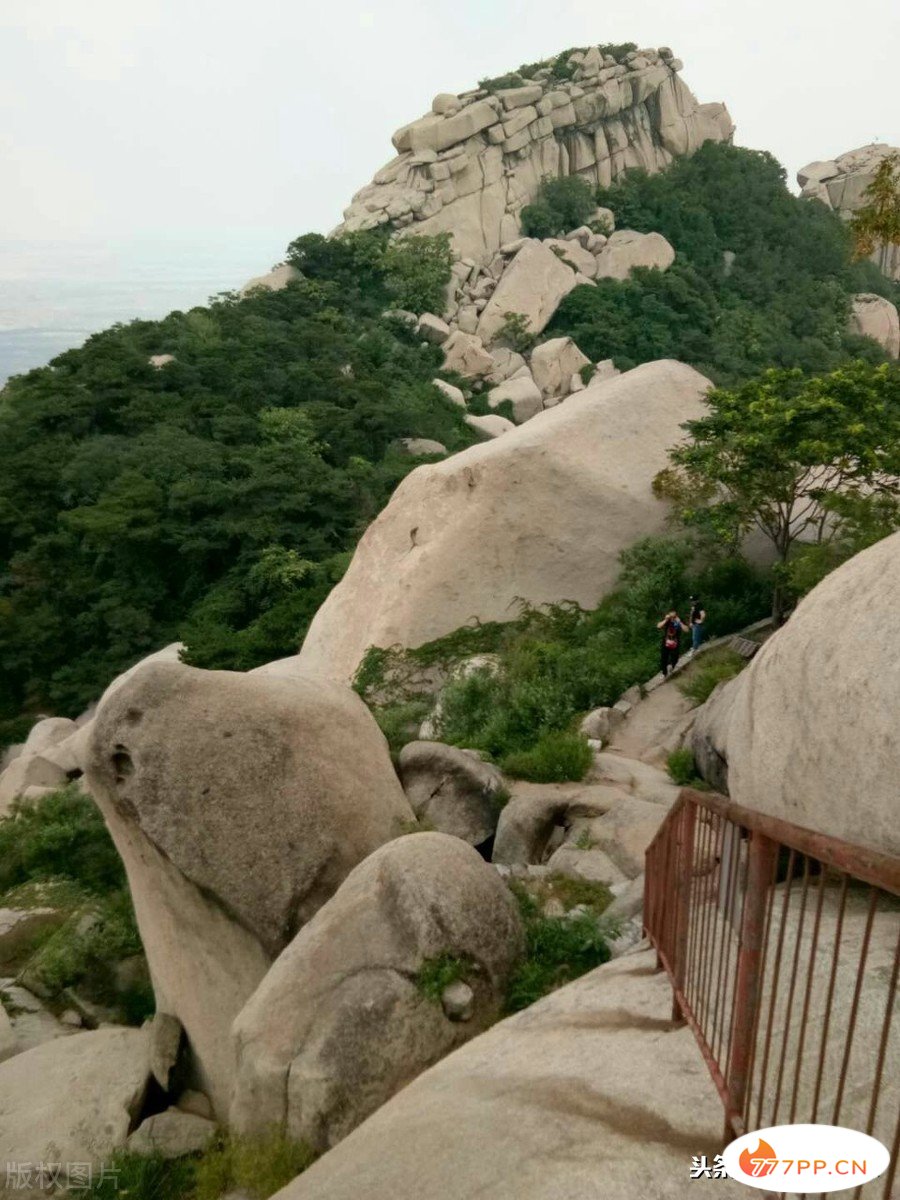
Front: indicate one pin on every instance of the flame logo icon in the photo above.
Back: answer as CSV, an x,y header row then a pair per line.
x,y
762,1161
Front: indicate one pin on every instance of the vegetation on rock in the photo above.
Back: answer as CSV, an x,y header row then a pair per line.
x,y
557,949
560,205
555,663
56,852
761,279
255,1167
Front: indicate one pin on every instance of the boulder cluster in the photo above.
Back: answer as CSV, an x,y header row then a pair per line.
x,y
470,165
530,278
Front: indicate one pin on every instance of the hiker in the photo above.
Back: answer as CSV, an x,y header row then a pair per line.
x,y
697,619
671,626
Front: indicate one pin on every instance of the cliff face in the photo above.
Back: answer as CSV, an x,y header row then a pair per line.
x,y
840,183
470,165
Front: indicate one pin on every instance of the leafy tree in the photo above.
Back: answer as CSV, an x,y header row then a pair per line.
x,y
417,270
877,223
560,205
782,452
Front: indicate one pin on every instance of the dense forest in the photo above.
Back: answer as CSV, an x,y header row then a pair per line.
x,y
217,499
761,278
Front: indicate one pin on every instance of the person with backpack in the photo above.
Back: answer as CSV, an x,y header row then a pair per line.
x,y
671,626
697,620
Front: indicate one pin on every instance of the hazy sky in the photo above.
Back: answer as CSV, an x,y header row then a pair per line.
x,y
126,118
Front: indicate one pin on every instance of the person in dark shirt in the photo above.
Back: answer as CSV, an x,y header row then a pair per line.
x,y
670,648
697,621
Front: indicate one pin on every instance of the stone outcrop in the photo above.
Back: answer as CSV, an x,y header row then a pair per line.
x,y
273,281
470,165
540,513
238,803
342,1021
808,731
840,184
875,317
531,286
627,249
72,1100
451,790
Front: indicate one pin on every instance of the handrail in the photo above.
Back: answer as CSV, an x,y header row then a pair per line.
x,y
871,866
782,945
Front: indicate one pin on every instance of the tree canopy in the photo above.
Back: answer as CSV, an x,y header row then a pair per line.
x,y
797,458
761,277
215,499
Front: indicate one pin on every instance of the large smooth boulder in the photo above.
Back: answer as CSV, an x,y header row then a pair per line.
x,y
553,363
451,789
627,249
533,285
28,771
238,803
593,1092
875,317
73,1100
465,354
540,514
492,426
341,1021
808,730
522,393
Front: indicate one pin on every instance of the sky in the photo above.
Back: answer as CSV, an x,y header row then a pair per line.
x,y
233,118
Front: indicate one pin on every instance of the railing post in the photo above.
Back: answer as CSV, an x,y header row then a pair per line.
x,y
684,873
761,858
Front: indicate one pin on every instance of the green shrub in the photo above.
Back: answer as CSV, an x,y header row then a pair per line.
x,y
436,974
417,270
556,757
515,334
142,1177
681,766
512,79
557,950
84,952
258,1165
559,206
400,722
61,835
714,668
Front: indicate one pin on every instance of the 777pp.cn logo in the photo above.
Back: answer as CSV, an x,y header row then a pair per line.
x,y
805,1159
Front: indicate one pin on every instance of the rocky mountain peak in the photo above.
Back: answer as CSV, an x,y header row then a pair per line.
x,y
469,165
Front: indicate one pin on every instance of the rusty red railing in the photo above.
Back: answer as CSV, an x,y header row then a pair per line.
x,y
783,949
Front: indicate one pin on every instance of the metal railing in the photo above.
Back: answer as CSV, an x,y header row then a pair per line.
x,y
783,949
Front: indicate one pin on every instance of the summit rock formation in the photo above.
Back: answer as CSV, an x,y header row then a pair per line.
x,y
840,184
471,164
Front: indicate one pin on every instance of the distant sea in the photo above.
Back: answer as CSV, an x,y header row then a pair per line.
x,y
54,294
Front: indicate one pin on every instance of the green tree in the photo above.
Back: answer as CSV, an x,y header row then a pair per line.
x,y
876,225
560,205
782,454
